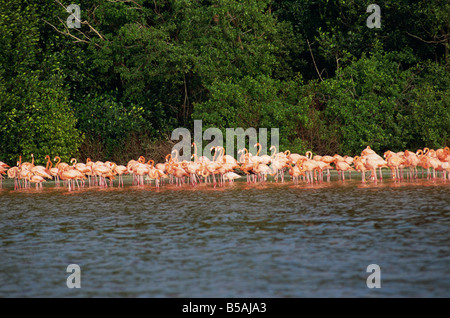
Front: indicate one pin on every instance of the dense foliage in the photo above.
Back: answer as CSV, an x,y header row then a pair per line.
x,y
135,70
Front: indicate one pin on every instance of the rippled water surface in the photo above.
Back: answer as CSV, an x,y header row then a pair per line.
x,y
272,240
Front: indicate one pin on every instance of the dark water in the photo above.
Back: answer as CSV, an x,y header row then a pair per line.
x,y
273,240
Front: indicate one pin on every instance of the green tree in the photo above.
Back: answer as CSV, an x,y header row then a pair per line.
x,y
260,102
162,55
336,32
374,102
35,115
430,108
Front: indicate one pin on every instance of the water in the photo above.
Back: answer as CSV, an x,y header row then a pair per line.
x,y
272,240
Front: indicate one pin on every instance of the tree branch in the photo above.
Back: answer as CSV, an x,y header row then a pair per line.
x,y
67,31
317,70
445,39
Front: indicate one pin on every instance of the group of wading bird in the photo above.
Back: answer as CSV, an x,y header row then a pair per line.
x,y
223,168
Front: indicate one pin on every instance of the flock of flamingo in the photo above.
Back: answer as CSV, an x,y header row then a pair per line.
x,y
225,168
